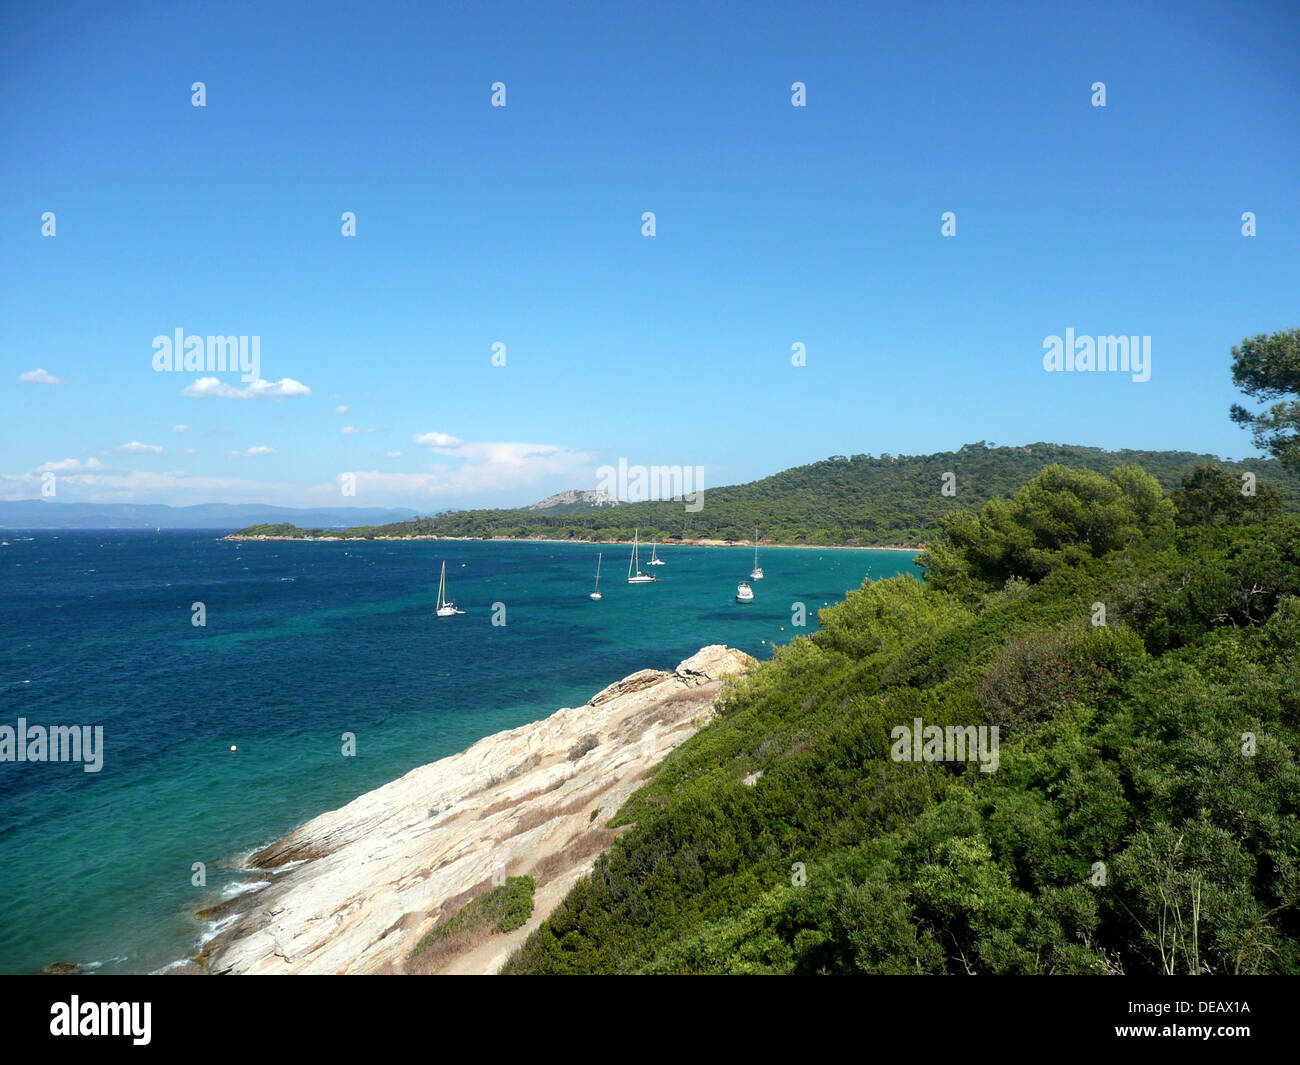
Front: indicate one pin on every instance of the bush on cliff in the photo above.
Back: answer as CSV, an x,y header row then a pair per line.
x,y
503,909
1143,816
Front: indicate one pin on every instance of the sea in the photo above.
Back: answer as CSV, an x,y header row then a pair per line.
x,y
222,737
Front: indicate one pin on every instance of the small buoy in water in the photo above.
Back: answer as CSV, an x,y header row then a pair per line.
x,y
232,748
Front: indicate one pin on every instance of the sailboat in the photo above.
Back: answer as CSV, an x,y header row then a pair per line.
x,y
756,574
655,560
445,608
634,564
744,593
596,594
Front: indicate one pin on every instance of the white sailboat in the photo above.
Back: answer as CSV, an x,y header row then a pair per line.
x,y
596,594
445,608
634,564
756,574
655,560
744,593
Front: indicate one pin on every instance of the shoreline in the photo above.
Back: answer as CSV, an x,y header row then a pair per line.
x,y
592,543
354,889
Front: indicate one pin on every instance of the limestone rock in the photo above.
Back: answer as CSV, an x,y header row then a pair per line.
x,y
353,890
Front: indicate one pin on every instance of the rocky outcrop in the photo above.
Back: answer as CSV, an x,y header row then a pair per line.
x,y
375,875
634,682
576,498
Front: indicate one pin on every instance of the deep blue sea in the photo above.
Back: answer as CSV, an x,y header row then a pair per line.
x,y
303,642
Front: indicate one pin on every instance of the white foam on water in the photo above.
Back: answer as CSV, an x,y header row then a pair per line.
x,y
240,887
215,928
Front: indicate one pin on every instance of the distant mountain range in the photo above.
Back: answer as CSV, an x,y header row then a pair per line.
x,y
49,514
858,499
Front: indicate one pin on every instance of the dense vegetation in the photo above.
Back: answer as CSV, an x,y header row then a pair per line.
x,y
1137,651
502,909
890,499
1267,367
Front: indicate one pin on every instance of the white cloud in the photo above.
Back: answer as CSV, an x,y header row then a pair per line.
x,y
437,440
174,487
180,428
342,408
497,469
468,474
285,388
41,377
70,464
505,455
352,430
494,466
137,448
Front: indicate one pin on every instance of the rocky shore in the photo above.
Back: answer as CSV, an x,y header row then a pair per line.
x,y
355,889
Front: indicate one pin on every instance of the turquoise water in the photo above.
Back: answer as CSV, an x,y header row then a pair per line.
x,y
303,642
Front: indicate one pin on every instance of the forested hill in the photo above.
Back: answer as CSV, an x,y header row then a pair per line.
x,y
859,499
1129,662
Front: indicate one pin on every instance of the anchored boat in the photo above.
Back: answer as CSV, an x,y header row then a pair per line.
x,y
634,564
445,608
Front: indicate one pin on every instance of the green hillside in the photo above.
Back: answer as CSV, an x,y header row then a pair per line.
x,y
1141,665
862,499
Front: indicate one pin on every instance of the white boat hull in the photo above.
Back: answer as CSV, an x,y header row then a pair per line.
x,y
445,608
634,564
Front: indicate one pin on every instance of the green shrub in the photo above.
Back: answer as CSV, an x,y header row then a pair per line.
x,y
584,745
503,909
1144,816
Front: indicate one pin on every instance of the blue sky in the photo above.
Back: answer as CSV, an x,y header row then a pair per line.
x,y
522,225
